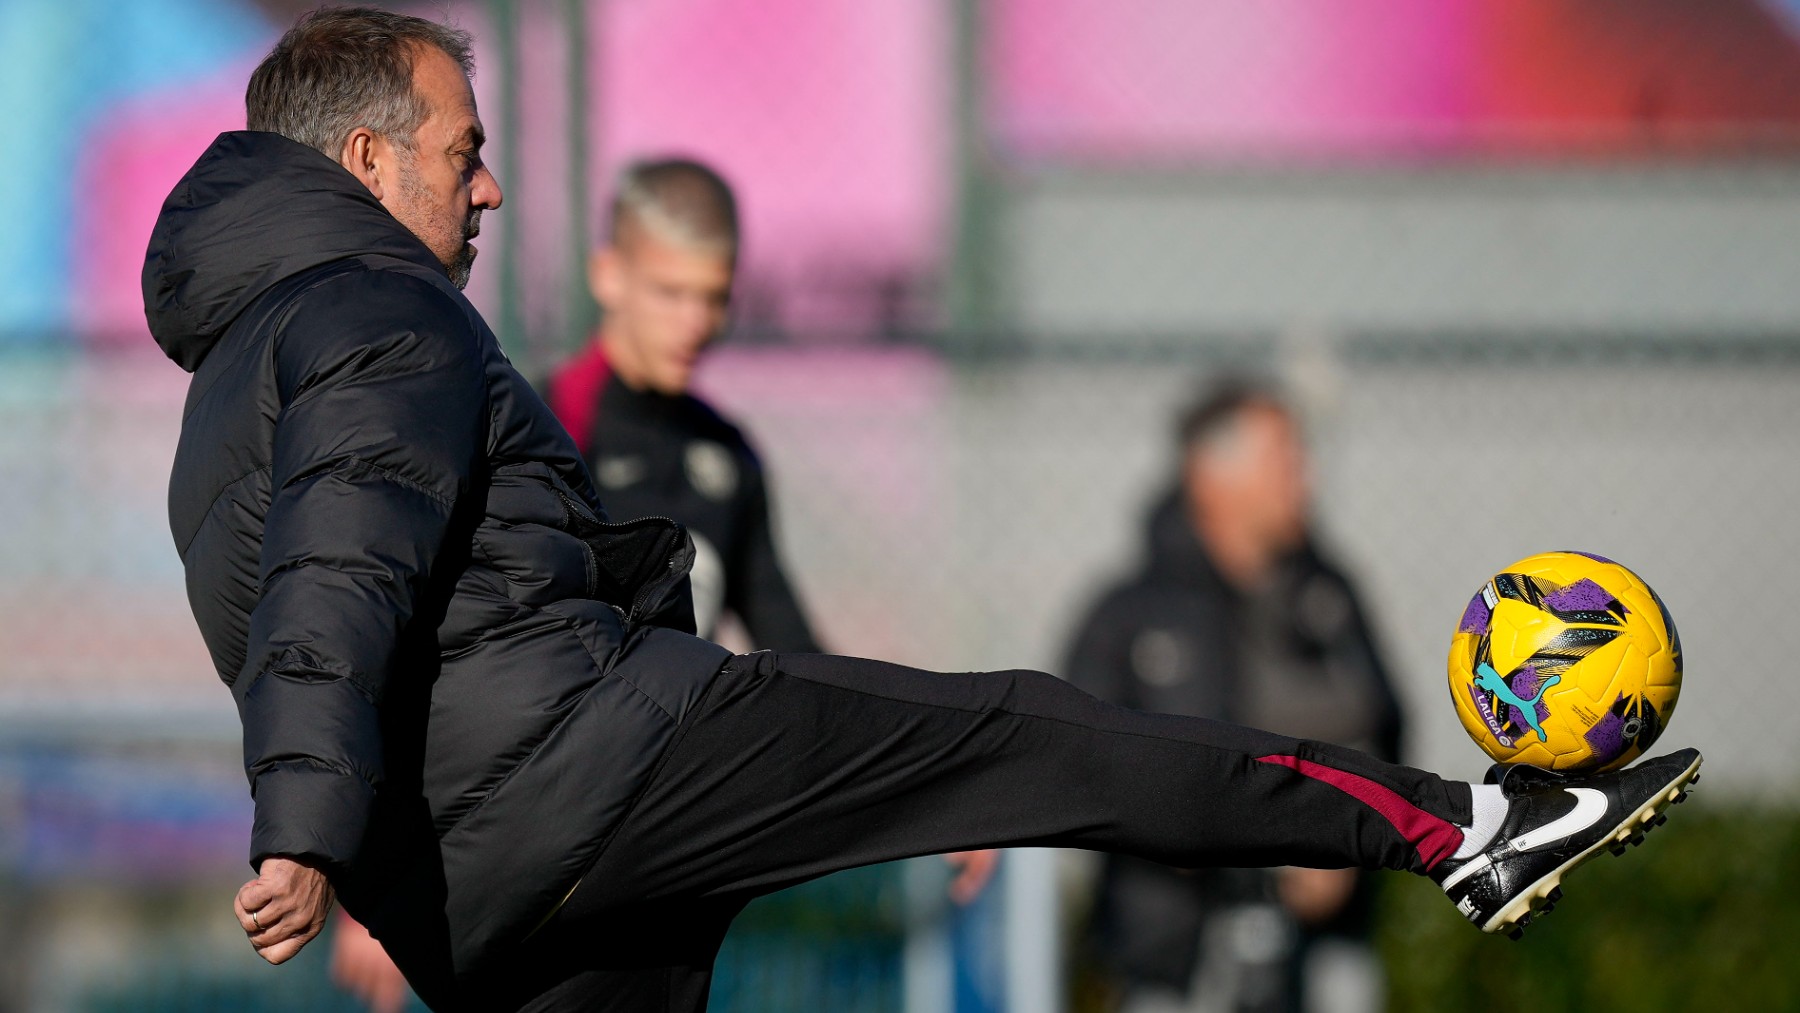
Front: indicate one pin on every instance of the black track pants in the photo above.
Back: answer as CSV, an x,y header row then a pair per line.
x,y
795,766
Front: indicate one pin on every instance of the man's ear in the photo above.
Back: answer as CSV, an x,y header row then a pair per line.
x,y
606,275
366,155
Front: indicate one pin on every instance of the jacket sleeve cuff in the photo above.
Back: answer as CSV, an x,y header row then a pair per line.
x,y
309,811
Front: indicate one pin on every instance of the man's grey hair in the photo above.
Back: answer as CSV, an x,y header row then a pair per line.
x,y
679,200
340,68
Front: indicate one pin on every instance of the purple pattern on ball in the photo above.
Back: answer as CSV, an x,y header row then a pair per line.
x,y
1476,617
1582,596
1524,682
1596,557
1607,737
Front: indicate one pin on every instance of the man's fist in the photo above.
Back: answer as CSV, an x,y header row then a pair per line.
x,y
283,908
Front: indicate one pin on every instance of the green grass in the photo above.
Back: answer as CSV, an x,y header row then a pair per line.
x,y
1704,916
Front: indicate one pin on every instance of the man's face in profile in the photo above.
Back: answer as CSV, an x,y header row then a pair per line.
x,y
665,301
443,185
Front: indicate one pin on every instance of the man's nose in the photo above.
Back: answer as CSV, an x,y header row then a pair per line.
x,y
699,320
485,191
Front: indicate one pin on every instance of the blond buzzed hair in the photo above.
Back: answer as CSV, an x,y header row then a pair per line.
x,y
678,200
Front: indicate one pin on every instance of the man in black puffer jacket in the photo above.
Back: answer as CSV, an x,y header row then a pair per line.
x,y
450,671
1235,615
465,710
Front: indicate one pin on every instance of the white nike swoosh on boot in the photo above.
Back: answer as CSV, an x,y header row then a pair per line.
x,y
1590,806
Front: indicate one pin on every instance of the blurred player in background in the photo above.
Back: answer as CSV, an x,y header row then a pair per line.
x,y
1235,616
663,278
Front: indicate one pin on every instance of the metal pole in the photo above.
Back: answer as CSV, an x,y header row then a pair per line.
x,y
505,17
971,296
1034,978
928,977
581,309
1031,919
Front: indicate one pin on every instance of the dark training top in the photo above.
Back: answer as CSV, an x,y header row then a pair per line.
x,y
453,675
655,455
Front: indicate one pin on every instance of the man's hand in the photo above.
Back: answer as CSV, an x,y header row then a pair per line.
x,y
362,967
974,869
1314,896
283,908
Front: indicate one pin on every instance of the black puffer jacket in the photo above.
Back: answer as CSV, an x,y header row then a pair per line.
x,y
451,673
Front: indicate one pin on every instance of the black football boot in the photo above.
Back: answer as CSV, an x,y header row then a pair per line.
x,y
1554,823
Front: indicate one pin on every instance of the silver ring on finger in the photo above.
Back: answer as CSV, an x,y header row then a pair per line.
x,y
253,921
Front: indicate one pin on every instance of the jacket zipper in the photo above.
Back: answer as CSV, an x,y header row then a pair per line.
x,y
659,583
578,510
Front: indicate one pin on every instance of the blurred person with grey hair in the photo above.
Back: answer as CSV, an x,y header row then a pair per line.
x,y
474,710
1237,616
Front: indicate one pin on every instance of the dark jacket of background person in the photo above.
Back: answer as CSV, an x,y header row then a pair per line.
x,y
447,667
655,454
1170,639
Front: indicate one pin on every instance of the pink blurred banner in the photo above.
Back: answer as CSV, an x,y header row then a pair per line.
x,y
1176,80
836,120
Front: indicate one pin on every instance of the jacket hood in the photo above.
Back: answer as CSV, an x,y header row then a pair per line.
x,y
256,209
1172,550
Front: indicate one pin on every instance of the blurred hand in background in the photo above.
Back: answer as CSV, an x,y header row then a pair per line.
x,y
1314,896
361,967
973,871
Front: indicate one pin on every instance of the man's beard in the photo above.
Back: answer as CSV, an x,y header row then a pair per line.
x,y
418,217
464,264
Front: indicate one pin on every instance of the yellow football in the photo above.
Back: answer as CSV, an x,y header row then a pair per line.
x,y
1566,660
